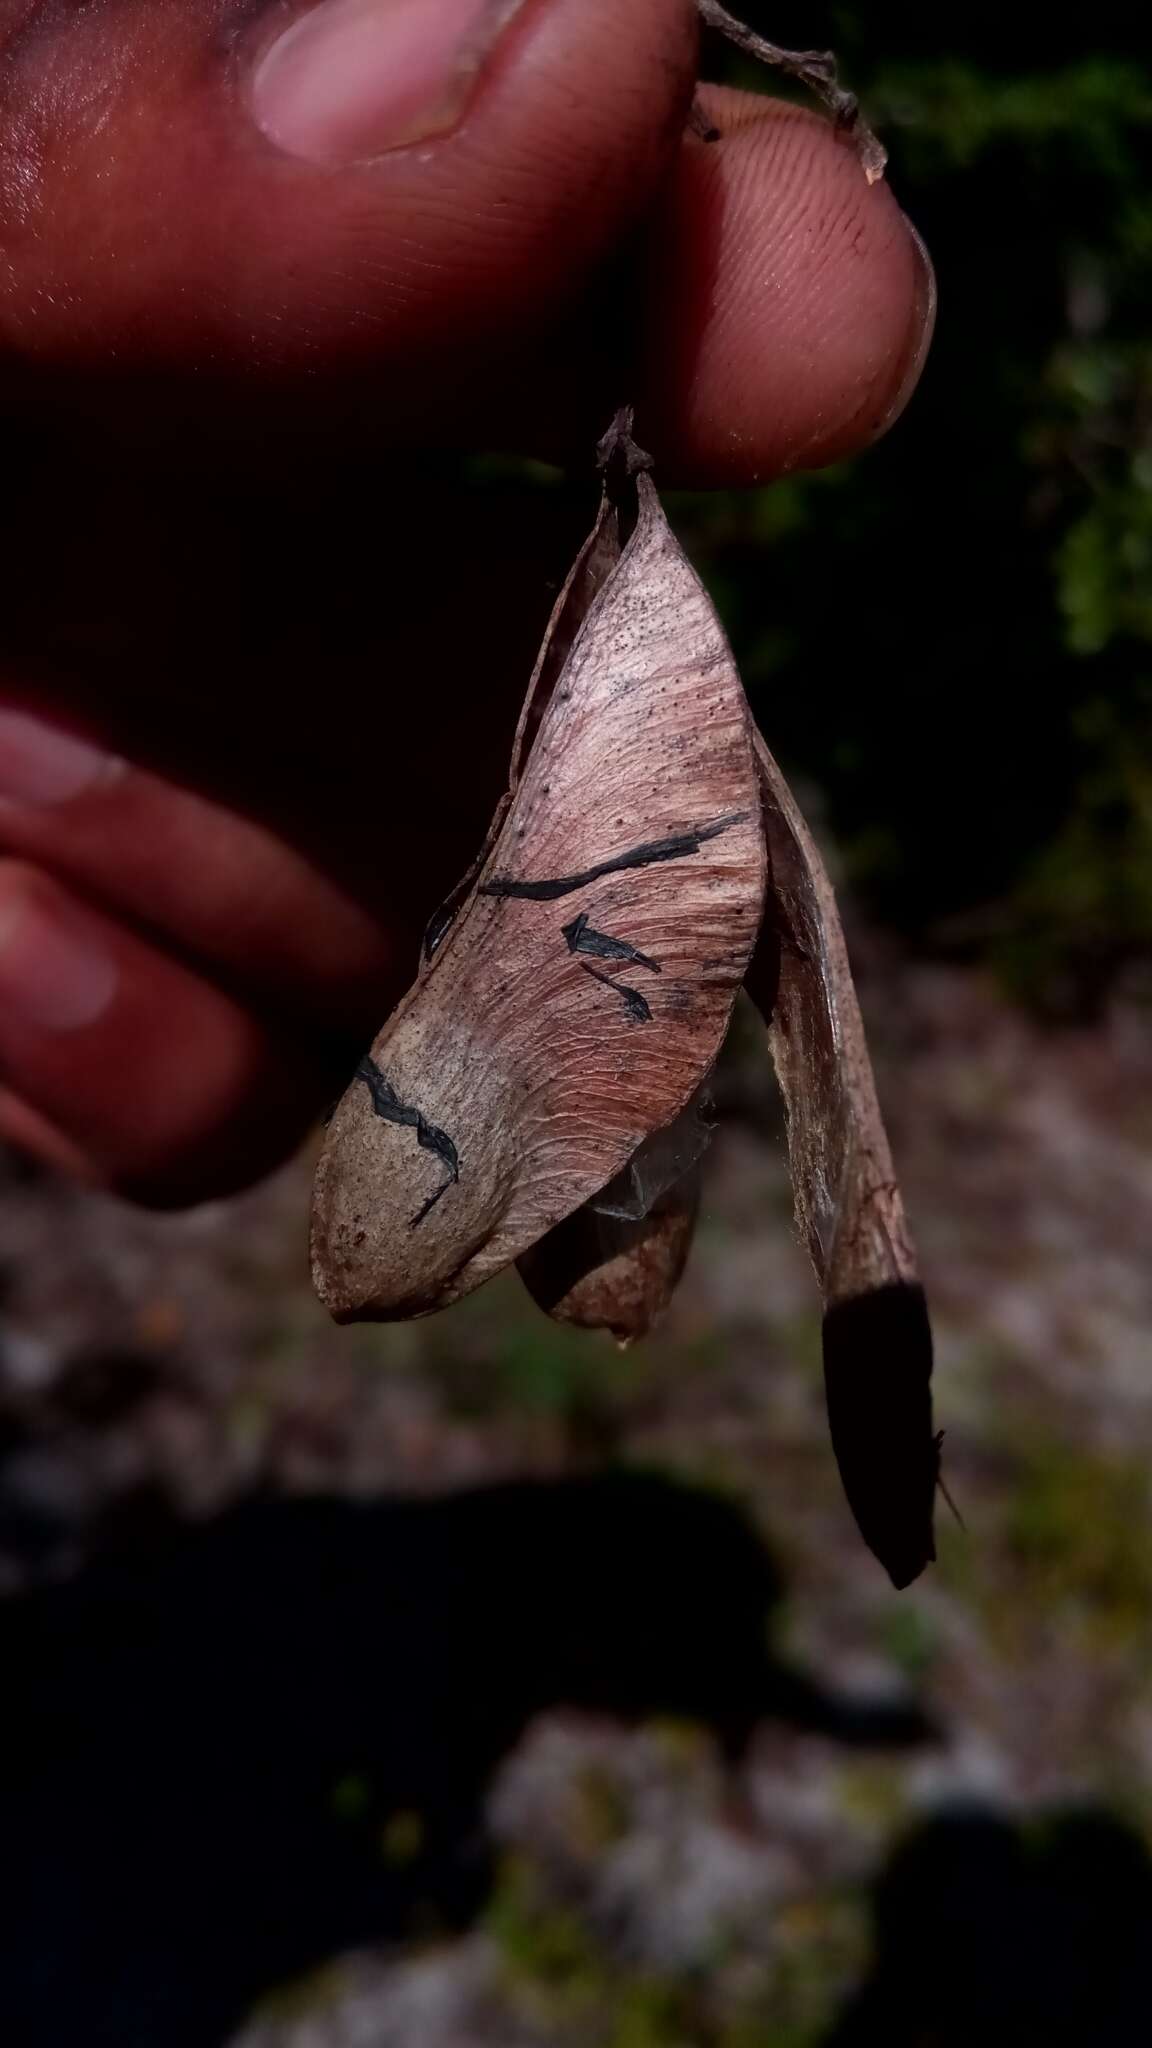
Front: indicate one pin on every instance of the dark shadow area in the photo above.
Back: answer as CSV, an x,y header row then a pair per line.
x,y
988,1934
206,1735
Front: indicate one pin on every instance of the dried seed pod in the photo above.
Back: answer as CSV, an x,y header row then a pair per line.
x,y
577,987
877,1339
614,1264
612,1272
533,1097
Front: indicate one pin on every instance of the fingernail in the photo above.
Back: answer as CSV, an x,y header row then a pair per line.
x,y
354,78
920,330
55,974
43,764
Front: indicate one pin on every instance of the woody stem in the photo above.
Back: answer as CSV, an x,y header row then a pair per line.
x,y
815,69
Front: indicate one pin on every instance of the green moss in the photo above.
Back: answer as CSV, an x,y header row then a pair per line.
x,y
823,1947
602,1808
779,1991
302,1997
549,1959
1084,903
351,1797
402,1838
1079,1529
1068,1547
871,1794
908,1638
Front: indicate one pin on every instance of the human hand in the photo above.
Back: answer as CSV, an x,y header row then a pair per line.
x,y
262,649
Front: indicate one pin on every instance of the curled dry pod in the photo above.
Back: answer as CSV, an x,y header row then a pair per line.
x,y
615,1273
877,1338
577,987
529,1098
615,1262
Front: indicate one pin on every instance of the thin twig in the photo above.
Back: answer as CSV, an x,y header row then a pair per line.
x,y
616,449
814,68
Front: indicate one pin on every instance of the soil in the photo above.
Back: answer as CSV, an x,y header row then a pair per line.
x,y
473,1682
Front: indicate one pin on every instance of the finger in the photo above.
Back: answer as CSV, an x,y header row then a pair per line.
x,y
223,889
204,230
24,1128
791,303
287,755
389,189
130,1065
277,762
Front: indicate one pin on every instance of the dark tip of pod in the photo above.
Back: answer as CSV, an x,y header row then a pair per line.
x,y
877,1374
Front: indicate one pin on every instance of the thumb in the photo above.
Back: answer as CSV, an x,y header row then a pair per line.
x,y
396,187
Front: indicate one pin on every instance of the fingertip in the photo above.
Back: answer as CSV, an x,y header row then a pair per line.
x,y
182,233
58,976
25,1130
121,1063
792,302
921,328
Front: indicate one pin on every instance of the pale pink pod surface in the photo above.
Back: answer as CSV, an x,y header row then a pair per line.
x,y
583,980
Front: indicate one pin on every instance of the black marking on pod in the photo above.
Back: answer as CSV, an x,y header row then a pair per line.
x,y
387,1104
633,1000
582,939
678,847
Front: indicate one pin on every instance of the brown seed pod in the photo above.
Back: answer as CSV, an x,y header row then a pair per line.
x,y
614,1264
529,1099
580,983
877,1339
614,1273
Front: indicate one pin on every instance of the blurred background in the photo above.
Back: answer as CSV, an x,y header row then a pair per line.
x,y
471,1685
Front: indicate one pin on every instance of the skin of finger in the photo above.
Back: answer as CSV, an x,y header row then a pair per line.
x,y
361,724
789,305
220,888
174,1091
313,757
146,520
27,1131
149,224
813,362
152,230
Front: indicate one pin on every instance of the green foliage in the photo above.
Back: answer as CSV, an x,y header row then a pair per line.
x,y
953,637
955,111
1068,1554
494,1354
910,1641
565,1977
1077,1532
1083,903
